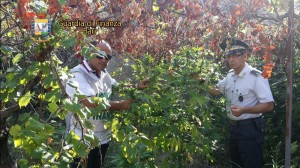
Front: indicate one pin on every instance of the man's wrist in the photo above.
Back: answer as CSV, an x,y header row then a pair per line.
x,y
244,110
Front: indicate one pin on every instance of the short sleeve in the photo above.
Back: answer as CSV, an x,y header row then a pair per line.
x,y
262,90
80,83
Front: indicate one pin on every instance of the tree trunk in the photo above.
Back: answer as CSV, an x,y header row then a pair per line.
x,y
5,159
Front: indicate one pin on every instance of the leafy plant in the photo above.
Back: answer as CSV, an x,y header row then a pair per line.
x,y
172,117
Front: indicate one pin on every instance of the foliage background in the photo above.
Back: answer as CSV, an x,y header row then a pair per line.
x,y
175,43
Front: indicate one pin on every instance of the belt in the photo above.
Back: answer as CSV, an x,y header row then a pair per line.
x,y
244,122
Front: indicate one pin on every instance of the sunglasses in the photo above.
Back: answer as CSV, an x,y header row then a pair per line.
x,y
107,58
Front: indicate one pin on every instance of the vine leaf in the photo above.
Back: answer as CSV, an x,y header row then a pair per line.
x,y
25,99
17,58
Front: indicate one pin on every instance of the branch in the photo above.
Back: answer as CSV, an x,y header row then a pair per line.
x,y
10,28
278,19
6,112
62,88
15,21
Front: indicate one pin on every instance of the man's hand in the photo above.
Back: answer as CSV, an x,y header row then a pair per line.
x,y
143,84
257,109
126,104
120,105
237,110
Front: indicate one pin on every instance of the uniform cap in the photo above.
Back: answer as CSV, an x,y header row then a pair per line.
x,y
233,46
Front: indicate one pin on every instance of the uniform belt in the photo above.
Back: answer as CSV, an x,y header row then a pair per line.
x,y
244,122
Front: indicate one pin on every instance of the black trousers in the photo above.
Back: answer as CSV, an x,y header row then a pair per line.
x,y
95,158
246,143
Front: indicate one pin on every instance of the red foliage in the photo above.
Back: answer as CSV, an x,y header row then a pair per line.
x,y
54,7
145,30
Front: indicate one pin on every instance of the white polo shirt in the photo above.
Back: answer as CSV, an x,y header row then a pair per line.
x,y
253,89
90,85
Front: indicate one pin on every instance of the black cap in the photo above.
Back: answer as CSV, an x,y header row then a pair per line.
x,y
232,46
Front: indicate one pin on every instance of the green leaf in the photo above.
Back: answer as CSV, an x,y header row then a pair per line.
x,y
10,34
52,107
48,129
91,139
34,125
69,42
81,149
70,106
38,139
38,153
86,51
88,124
6,49
17,58
23,163
15,130
294,147
25,99
17,142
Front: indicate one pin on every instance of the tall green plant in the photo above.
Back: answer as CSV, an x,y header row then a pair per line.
x,y
171,120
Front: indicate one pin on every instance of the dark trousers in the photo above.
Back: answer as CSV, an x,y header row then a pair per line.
x,y
95,158
246,143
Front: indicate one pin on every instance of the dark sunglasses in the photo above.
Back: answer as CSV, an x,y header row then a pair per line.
x,y
108,57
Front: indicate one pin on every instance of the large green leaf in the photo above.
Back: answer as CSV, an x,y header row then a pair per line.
x,y
15,130
17,58
6,49
81,149
34,125
71,106
25,99
52,107
69,42
88,124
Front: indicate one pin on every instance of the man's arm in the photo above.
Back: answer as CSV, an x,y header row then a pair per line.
x,y
259,108
114,105
120,105
88,104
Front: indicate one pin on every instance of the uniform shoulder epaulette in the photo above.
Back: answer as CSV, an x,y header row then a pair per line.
x,y
254,72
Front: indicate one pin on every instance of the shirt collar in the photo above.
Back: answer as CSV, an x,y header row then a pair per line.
x,y
243,73
89,71
87,66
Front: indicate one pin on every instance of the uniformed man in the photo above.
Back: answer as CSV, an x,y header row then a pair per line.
x,y
93,80
248,96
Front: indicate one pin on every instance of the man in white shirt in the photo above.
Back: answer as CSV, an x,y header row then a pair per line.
x,y
93,80
248,96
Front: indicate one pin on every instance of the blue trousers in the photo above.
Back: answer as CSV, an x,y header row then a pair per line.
x,y
246,143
